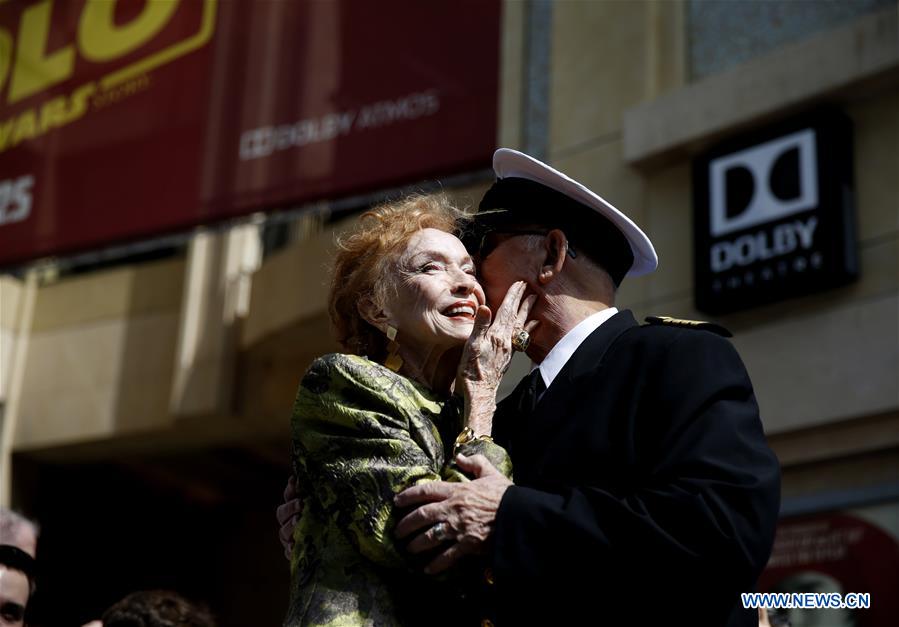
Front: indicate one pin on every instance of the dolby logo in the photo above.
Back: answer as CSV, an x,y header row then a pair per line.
x,y
764,183
774,213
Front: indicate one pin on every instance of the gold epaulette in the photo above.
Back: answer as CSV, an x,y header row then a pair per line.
x,y
689,324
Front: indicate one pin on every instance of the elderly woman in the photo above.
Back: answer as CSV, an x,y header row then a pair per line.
x,y
367,424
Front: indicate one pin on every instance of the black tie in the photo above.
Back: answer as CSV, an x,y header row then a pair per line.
x,y
533,387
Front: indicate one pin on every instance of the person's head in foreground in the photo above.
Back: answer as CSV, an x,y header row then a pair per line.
x,y
16,584
18,531
156,608
404,290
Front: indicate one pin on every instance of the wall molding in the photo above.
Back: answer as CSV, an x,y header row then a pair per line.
x,y
840,65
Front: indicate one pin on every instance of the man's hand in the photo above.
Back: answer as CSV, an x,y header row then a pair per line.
x,y
288,513
467,511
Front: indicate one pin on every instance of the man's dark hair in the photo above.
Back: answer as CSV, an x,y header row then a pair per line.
x,y
157,608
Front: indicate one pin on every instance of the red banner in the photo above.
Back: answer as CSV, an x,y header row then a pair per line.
x,y
122,119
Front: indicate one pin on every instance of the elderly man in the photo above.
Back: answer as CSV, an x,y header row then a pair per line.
x,y
645,493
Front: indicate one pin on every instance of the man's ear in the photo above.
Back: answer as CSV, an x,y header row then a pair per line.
x,y
372,313
555,246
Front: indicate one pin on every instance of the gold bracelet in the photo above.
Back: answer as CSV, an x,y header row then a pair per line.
x,y
468,435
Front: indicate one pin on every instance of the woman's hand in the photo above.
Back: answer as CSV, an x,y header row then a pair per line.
x,y
487,354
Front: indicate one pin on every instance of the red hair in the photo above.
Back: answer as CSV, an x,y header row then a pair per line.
x,y
364,267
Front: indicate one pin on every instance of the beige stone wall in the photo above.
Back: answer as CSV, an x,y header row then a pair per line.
x,y
823,357
10,299
606,58
100,355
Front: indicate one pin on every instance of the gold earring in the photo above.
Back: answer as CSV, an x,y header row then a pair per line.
x,y
394,361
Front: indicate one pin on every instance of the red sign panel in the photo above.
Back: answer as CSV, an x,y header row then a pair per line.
x,y
838,553
121,119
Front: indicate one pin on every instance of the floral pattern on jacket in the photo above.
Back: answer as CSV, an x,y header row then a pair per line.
x,y
362,434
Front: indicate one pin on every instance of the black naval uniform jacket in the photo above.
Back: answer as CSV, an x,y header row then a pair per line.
x,y
645,493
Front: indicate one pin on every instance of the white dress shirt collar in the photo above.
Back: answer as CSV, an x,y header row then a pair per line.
x,y
553,363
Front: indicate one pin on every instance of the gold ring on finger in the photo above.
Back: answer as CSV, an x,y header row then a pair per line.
x,y
521,340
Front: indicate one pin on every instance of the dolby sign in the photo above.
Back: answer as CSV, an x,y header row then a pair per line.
x,y
774,214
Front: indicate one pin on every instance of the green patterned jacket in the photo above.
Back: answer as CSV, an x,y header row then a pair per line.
x,y
362,434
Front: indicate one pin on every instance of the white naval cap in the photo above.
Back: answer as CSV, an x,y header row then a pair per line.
x,y
511,196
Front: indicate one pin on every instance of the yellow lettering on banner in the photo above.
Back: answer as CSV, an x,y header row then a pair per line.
x,y
78,103
166,55
6,48
100,39
53,113
33,70
25,128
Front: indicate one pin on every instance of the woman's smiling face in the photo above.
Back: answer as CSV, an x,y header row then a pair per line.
x,y
436,293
